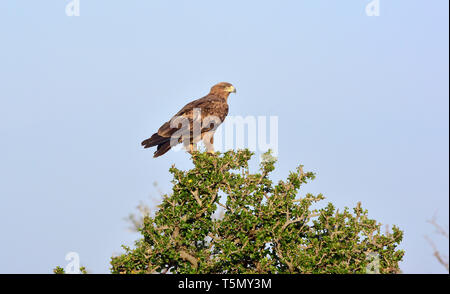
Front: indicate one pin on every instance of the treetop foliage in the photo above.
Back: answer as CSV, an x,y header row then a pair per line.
x,y
262,228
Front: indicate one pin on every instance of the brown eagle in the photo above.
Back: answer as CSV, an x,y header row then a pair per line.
x,y
197,120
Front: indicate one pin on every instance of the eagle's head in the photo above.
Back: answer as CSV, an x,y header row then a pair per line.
x,y
223,89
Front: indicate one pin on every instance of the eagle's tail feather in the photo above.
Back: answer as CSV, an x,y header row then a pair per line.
x,y
162,148
154,140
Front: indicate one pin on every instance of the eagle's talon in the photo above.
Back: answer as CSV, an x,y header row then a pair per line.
x,y
211,152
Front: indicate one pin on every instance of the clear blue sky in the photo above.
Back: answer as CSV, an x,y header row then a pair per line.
x,y
363,101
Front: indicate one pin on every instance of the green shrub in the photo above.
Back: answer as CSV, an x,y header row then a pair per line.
x,y
263,227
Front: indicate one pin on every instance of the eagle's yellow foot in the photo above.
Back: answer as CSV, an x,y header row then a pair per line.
x,y
192,149
211,152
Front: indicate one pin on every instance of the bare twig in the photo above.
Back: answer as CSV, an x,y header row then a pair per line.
x,y
441,231
437,254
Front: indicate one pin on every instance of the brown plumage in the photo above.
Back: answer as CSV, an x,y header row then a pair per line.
x,y
213,109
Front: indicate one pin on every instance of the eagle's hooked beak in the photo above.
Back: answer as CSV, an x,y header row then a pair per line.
x,y
232,89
